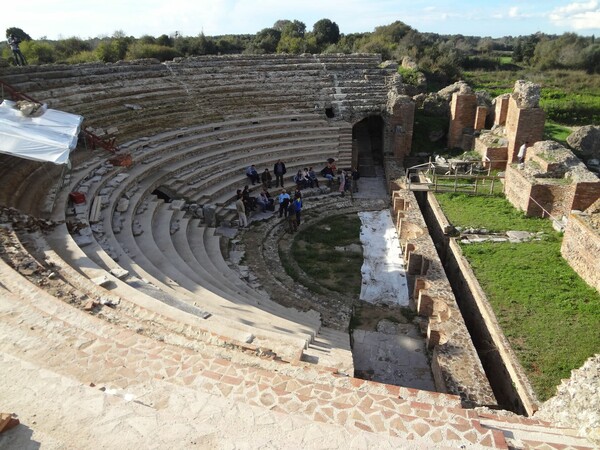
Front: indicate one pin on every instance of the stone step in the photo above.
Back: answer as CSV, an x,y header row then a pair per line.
x,y
124,359
535,434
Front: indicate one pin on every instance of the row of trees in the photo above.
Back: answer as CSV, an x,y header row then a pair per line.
x,y
434,53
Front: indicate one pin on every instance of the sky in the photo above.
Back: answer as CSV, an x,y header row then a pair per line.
x,y
60,19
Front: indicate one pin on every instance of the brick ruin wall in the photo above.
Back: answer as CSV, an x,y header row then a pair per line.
x,y
523,124
501,109
463,110
585,195
581,247
517,189
399,128
497,155
557,199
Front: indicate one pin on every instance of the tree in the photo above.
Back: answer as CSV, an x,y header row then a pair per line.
x,y
295,29
393,32
326,32
265,41
38,52
18,33
138,50
164,40
591,59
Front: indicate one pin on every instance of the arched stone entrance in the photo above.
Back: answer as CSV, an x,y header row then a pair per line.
x,y
367,145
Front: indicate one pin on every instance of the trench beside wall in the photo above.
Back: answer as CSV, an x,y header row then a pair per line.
x,y
506,376
454,361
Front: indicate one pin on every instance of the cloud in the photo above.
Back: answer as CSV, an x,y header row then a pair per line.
x,y
577,15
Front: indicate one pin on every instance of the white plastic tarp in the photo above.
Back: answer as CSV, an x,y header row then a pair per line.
x,y
50,137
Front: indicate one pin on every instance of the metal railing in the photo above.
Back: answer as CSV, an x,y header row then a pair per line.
x,y
459,175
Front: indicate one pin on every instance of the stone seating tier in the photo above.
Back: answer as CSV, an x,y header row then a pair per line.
x,y
162,235
158,89
98,351
286,338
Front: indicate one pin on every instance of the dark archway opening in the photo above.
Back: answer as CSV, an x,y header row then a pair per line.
x,y
367,145
164,193
329,113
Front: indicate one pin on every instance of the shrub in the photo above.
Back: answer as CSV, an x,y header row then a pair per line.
x,y
160,52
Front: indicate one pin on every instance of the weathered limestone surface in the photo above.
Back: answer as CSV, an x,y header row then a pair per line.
x,y
586,140
577,401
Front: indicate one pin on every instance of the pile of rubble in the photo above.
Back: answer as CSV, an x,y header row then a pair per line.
x,y
577,401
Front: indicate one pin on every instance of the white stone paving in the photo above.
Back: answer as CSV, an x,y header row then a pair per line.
x,y
383,270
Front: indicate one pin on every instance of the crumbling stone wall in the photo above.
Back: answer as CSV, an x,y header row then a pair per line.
x,y
585,195
552,181
517,188
493,150
399,124
581,244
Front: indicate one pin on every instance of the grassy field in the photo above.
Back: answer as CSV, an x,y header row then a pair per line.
x,y
549,315
568,97
314,252
556,132
492,213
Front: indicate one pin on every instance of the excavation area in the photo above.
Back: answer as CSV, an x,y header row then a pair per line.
x,y
350,264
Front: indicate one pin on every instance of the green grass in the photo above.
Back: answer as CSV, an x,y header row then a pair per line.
x,y
549,315
493,213
314,251
568,97
556,132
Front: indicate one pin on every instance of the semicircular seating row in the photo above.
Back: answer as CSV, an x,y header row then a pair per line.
x,y
173,257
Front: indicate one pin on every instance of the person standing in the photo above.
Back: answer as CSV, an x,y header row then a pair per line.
x,y
14,42
279,170
355,177
241,210
297,207
292,218
284,201
342,180
522,152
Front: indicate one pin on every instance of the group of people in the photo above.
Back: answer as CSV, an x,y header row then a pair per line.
x,y
290,205
265,177
306,178
290,208
245,204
